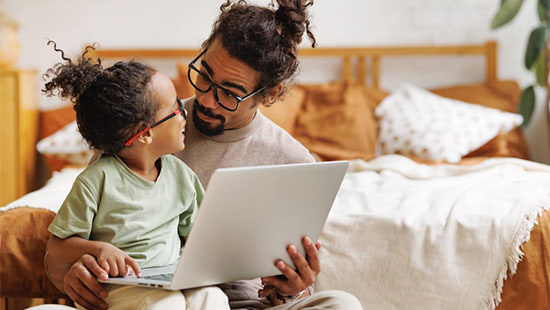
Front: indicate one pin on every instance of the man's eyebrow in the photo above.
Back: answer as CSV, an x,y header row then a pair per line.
x,y
233,85
227,84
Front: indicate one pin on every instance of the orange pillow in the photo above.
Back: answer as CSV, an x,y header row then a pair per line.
x,y
50,122
184,89
285,111
337,121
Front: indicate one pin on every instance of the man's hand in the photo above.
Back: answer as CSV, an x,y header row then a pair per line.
x,y
115,262
294,281
81,285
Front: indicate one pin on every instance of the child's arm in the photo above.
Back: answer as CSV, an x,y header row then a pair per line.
x,y
113,260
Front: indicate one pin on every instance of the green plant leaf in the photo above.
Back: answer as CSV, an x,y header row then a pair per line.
x,y
507,11
526,105
540,69
541,11
546,3
535,45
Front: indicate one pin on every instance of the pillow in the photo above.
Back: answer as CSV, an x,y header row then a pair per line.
x,y
413,121
184,89
337,121
285,111
68,144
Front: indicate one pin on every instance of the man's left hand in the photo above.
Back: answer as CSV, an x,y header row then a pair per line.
x,y
294,281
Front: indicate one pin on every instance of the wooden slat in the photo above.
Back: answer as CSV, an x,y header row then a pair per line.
x,y
347,54
376,71
491,61
361,70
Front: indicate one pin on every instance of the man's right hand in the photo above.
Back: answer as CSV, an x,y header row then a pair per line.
x,y
81,285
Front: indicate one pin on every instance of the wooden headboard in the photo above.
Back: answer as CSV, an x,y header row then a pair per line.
x,y
358,63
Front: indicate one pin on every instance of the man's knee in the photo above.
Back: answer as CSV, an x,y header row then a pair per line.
x,y
334,299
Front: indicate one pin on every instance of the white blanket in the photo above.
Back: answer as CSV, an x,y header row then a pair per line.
x,y
52,195
403,235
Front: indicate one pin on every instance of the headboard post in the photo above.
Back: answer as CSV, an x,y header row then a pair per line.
x,y
491,58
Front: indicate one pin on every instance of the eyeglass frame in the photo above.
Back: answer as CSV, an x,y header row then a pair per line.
x,y
215,86
179,110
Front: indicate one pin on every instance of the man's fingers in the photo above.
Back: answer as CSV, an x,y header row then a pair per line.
x,y
134,265
265,291
82,294
312,257
78,299
85,281
100,268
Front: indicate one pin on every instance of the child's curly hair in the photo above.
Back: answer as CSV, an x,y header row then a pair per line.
x,y
111,104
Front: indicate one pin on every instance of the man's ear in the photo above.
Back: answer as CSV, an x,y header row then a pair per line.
x,y
273,94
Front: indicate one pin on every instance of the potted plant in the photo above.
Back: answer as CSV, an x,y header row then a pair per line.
x,y
537,53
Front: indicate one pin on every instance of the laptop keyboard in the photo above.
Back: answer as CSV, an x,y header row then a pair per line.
x,y
160,277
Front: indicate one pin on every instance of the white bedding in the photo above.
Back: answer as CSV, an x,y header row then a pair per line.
x,y
51,195
402,235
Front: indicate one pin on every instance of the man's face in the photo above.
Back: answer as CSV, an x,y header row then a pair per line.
x,y
234,75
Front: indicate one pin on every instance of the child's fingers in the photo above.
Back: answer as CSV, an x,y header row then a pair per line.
x,y
134,265
113,266
122,270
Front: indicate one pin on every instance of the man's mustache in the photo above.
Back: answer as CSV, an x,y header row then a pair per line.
x,y
207,111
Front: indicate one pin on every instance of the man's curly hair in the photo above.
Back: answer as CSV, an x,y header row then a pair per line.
x,y
111,104
266,39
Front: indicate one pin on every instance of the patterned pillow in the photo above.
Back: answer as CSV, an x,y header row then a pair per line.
x,y
413,121
66,143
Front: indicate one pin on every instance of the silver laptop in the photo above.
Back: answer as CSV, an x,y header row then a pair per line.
x,y
246,220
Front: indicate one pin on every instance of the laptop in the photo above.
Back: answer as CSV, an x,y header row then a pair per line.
x,y
246,220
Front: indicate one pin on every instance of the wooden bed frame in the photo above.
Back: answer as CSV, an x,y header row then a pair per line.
x,y
363,58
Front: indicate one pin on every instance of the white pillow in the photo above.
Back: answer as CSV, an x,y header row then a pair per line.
x,y
413,121
66,143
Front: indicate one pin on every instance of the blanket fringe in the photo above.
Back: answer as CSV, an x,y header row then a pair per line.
x,y
521,236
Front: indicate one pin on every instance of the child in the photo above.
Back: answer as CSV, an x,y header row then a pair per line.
x,y
129,208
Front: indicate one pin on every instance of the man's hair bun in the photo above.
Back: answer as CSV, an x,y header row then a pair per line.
x,y
293,18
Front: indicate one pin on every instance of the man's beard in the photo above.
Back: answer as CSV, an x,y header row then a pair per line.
x,y
206,128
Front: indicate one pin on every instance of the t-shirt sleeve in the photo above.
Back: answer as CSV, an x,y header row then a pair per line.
x,y
187,218
76,215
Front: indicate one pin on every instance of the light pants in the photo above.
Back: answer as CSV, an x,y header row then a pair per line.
x,y
135,297
143,298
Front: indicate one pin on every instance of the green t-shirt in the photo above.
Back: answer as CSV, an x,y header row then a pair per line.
x,y
108,202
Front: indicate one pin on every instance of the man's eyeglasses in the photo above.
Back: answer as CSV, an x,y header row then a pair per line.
x,y
179,110
225,98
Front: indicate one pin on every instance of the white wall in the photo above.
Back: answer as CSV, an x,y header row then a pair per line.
x,y
186,23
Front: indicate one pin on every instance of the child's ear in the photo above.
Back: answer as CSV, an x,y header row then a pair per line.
x,y
146,137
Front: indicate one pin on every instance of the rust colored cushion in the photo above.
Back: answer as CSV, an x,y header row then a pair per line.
x,y
50,122
184,89
337,121
285,111
23,238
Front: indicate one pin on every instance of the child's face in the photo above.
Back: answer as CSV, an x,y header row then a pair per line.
x,y
168,137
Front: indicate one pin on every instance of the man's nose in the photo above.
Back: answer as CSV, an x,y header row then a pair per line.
x,y
208,100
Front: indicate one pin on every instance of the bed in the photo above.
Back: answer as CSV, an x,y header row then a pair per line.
x,y
341,120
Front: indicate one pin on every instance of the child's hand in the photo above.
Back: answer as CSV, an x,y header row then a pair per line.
x,y
115,262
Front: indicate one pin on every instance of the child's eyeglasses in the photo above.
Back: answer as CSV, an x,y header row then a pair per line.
x,y
179,110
